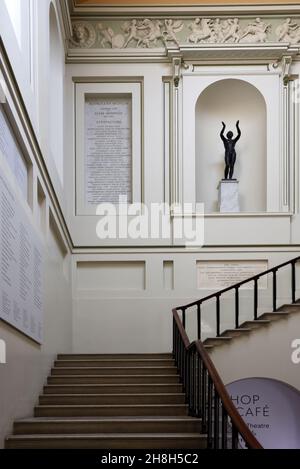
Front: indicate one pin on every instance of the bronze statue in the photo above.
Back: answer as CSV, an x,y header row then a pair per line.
x,y
230,153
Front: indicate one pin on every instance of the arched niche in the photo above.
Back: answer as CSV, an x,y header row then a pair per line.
x,y
230,100
271,408
56,95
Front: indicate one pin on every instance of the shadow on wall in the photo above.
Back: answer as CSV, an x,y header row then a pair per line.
x,y
230,100
271,409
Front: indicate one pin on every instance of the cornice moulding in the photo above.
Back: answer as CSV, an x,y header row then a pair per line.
x,y
183,10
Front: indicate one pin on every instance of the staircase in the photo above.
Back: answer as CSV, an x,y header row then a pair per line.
x,y
248,327
110,402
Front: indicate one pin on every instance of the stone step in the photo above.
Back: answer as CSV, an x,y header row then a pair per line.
x,y
274,316
170,370
182,424
104,441
114,379
114,363
215,341
109,410
292,308
114,399
112,388
114,356
236,332
255,324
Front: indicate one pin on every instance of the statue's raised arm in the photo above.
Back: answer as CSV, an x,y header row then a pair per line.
x,y
222,132
239,133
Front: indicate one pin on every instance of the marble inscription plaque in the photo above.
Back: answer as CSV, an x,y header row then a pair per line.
x,y
215,275
21,267
108,149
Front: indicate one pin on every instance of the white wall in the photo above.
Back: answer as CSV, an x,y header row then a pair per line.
x,y
27,43
28,364
231,100
265,353
122,301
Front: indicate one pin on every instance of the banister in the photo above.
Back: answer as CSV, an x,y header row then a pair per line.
x,y
238,423
232,411
184,353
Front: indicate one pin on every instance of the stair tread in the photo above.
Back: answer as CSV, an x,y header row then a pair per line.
x,y
107,436
63,356
125,360
110,406
112,367
115,395
143,418
115,376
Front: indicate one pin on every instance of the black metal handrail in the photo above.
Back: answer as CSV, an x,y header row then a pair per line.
x,y
217,296
206,394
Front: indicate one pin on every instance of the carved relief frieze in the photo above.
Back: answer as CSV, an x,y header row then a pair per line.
x,y
155,33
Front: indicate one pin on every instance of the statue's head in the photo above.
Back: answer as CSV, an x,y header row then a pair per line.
x,y
229,135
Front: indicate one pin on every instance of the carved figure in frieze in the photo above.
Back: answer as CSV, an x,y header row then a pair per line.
x,y
218,31
257,31
172,27
108,37
84,35
201,30
150,32
145,33
231,28
132,30
288,32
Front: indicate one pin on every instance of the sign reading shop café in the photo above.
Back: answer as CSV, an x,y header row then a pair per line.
x,y
271,409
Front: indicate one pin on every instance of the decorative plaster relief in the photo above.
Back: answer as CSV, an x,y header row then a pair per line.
x,y
157,33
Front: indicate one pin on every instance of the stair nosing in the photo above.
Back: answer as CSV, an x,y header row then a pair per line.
x,y
107,436
110,419
115,395
110,406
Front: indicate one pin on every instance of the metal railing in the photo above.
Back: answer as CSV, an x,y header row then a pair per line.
x,y
207,396
236,288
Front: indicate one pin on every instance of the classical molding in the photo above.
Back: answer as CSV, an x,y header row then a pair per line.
x,y
85,10
64,16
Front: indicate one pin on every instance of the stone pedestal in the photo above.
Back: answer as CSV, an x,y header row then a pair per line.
x,y
229,196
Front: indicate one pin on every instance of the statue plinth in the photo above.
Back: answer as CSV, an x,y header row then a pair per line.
x,y
229,196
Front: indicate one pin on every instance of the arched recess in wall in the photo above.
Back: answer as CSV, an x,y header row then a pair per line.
x,y
56,95
230,100
271,408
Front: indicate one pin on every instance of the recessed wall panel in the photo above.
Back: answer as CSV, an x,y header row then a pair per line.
x,y
102,275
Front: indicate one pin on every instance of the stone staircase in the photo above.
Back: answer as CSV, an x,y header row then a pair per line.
x,y
249,327
110,402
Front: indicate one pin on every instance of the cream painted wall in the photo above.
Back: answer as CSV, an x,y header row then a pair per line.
x,y
28,364
30,61
133,313
264,353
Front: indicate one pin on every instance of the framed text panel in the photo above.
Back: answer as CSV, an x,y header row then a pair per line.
x,y
108,145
